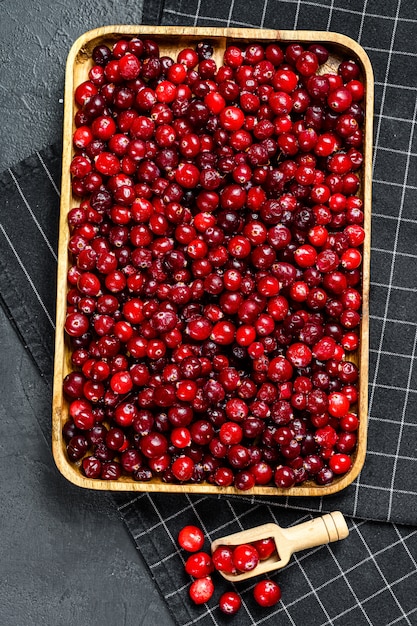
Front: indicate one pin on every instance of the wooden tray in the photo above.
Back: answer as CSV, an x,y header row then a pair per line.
x,y
171,40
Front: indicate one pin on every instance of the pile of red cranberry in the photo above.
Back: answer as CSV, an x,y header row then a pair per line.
x,y
232,560
214,292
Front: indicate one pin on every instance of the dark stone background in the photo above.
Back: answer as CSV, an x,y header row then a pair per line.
x,y
65,554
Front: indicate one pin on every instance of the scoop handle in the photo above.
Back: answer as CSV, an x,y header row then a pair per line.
x,y
319,531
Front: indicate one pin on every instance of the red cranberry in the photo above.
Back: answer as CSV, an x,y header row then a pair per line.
x,y
177,203
199,565
230,602
201,590
245,557
267,593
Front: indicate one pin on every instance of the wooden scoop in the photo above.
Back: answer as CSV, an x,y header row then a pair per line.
x,y
316,532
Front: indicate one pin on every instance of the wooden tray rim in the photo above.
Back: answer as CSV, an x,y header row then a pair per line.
x,y
72,472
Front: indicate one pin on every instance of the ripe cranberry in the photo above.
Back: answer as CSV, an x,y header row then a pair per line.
x,y
338,404
110,470
177,202
245,557
230,602
349,422
153,445
265,547
92,467
280,369
267,593
340,463
284,477
183,468
223,559
77,446
199,565
201,590
131,460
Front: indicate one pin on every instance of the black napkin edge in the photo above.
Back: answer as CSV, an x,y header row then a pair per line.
x,y
17,330
152,12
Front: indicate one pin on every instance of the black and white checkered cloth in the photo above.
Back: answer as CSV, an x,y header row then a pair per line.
x,y
371,577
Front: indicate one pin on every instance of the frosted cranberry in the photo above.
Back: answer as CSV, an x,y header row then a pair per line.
x,y
324,348
201,590
317,402
230,602
281,412
236,409
267,593
299,355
